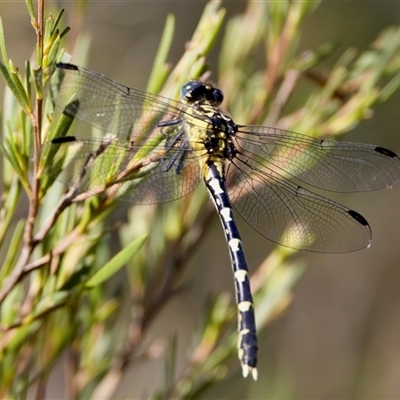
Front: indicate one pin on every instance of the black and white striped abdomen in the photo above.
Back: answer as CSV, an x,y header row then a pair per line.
x,y
247,344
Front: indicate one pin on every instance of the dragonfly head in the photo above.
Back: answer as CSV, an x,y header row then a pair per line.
x,y
199,92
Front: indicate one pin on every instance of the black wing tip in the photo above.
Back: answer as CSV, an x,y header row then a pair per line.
x,y
358,217
63,139
386,152
67,66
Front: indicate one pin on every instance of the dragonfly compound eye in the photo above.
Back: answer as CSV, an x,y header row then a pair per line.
x,y
191,91
216,97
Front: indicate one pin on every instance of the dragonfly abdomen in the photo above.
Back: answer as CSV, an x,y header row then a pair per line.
x,y
247,344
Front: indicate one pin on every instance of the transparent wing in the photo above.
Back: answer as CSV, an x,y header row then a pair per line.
x,y
326,164
110,106
96,166
293,216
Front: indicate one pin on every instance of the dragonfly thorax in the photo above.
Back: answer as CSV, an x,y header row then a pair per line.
x,y
218,139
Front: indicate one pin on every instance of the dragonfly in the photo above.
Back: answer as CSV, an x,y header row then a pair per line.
x,y
155,149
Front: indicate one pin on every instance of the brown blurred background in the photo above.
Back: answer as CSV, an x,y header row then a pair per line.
x,y
340,339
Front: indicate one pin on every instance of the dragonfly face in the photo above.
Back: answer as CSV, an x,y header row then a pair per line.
x,y
199,92
158,150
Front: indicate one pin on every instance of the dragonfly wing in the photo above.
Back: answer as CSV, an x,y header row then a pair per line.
x,y
293,216
108,105
163,186
96,166
326,164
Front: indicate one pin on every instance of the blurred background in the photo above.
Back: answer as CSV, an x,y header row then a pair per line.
x,y
340,338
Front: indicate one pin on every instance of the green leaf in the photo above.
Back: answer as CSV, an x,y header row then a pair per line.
x,y
21,335
29,6
390,88
3,50
11,195
16,240
11,150
53,52
116,263
48,152
57,21
160,68
37,81
17,78
192,63
48,30
16,88
47,304
28,79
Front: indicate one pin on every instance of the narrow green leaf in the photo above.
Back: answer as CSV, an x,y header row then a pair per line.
x,y
29,6
64,31
11,195
13,153
160,69
18,80
14,83
14,245
9,82
390,88
209,26
47,304
26,130
10,306
37,80
48,31
53,52
48,152
57,21
3,50
8,149
21,335
116,263
28,78
50,41
192,63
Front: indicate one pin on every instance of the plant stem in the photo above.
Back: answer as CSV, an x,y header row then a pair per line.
x,y
28,243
